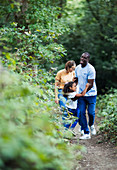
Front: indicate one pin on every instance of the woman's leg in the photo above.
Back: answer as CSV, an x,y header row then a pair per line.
x,y
62,103
62,100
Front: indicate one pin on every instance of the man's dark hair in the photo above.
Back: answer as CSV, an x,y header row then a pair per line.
x,y
87,54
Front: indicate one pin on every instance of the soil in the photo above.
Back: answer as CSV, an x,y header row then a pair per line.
x,y
99,155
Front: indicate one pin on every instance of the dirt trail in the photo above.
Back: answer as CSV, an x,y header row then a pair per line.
x,y
98,156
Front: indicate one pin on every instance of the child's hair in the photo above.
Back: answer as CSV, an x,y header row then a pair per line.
x,y
75,79
67,86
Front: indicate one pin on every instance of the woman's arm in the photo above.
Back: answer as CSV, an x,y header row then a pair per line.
x,y
56,93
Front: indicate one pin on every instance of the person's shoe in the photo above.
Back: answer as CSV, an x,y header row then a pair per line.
x,y
81,131
85,136
93,131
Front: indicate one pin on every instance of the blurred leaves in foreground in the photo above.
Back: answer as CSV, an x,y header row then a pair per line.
x,y
31,137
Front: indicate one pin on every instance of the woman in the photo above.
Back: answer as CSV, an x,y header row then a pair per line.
x,y
63,76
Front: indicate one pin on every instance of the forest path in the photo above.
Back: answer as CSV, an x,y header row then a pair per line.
x,y
98,155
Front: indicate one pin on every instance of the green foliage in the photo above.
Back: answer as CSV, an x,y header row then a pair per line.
x,y
29,136
31,32
30,12
107,106
36,48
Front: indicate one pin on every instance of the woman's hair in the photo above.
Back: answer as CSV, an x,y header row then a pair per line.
x,y
67,86
69,64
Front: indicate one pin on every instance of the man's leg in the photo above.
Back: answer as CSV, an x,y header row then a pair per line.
x,y
91,100
78,115
82,116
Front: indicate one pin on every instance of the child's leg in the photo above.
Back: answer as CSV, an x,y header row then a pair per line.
x,y
74,113
65,119
67,125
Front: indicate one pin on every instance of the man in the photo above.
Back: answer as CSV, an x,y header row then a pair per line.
x,y
86,74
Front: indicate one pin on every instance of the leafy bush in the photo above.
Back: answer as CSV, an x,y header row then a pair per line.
x,y
107,105
30,36
29,136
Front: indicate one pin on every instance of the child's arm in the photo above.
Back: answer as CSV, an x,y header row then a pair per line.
x,y
85,90
82,93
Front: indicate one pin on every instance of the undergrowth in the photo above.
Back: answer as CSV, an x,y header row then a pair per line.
x,y
107,110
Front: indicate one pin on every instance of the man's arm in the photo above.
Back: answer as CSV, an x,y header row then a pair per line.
x,y
91,77
90,81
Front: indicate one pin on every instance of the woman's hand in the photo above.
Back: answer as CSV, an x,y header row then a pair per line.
x,y
56,100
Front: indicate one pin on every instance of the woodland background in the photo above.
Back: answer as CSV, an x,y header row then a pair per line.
x,y
37,37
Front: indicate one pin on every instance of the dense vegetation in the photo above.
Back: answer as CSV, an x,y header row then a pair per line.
x,y
29,136
107,106
36,38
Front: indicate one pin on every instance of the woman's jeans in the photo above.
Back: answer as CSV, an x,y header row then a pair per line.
x,y
62,103
62,100
90,102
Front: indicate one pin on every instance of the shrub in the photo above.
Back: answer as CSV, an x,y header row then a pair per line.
x,y
107,105
29,136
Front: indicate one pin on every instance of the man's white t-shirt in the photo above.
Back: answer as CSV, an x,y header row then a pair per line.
x,y
83,74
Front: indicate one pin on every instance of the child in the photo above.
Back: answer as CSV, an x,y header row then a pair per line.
x,y
71,92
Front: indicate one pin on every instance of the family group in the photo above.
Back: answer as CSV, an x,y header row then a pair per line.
x,y
75,91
